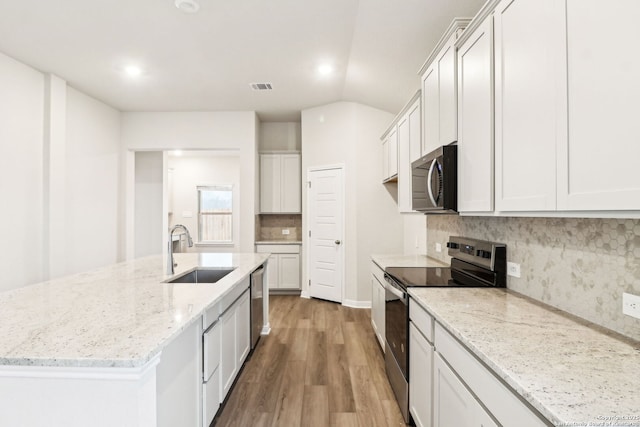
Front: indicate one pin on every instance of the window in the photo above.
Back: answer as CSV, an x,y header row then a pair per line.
x,y
215,214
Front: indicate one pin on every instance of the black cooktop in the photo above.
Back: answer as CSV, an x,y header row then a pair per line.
x,y
421,276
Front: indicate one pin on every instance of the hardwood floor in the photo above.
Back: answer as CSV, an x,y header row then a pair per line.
x,y
320,366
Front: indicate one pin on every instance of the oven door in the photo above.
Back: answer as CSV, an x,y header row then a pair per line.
x,y
396,311
396,355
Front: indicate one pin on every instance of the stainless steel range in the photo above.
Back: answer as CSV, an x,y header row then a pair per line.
x,y
475,263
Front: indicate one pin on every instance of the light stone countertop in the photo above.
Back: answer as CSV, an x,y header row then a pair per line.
x,y
571,371
116,316
396,260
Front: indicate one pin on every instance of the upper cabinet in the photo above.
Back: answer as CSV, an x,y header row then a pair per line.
x,y
475,119
530,102
280,183
598,162
439,91
390,155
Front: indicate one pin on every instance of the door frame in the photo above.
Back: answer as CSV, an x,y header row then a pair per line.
x,y
310,169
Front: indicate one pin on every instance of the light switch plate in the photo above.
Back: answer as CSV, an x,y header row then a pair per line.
x,y
438,247
631,305
187,214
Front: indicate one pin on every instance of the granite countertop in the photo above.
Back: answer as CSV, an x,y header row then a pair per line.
x,y
279,242
395,260
571,371
121,315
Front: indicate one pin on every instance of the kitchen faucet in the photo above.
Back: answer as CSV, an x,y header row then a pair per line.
x,y
170,263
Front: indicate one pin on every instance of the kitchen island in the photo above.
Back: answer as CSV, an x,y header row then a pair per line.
x,y
109,346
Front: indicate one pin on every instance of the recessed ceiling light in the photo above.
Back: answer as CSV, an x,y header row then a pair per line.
x,y
325,69
133,71
187,6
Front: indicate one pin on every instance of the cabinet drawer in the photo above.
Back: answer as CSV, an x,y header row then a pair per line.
x,y
211,398
278,249
211,350
211,314
503,403
422,319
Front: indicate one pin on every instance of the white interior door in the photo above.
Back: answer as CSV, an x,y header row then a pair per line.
x,y
326,212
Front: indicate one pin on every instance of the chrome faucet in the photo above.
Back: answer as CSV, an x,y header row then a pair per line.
x,y
170,263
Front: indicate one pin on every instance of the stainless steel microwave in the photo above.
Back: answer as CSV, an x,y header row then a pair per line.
x,y
435,180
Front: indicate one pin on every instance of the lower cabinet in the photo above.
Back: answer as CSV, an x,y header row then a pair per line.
x,y
377,303
453,404
234,341
450,387
283,271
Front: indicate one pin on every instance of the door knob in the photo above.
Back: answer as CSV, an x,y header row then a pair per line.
x,y
337,242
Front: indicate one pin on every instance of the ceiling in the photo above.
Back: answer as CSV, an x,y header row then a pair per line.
x,y
205,61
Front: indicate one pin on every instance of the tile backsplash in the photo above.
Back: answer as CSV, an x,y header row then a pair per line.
x,y
579,265
269,227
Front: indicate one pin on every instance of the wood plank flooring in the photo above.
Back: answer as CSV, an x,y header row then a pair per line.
x,y
320,366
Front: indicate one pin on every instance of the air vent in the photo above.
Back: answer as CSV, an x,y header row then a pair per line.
x,y
261,86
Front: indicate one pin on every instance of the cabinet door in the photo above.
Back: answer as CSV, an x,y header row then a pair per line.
x,y
530,102
270,183
228,347
404,165
291,183
447,105
381,317
453,404
475,107
243,328
273,271
430,111
289,266
393,153
421,374
415,132
385,159
598,166
377,309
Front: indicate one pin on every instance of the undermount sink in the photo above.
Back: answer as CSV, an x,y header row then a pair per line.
x,y
202,275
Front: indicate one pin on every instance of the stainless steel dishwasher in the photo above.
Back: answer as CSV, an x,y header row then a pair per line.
x,y
257,318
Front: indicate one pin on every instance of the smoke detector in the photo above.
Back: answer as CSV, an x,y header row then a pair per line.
x,y
187,6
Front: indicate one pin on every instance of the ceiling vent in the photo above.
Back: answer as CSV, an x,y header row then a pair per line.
x,y
261,86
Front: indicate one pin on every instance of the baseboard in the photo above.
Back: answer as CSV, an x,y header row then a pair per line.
x,y
356,304
266,329
305,294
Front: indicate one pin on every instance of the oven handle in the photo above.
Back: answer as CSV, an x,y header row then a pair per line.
x,y
397,292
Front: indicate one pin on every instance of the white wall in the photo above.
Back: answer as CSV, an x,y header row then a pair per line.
x,y
148,203
415,233
349,133
92,208
280,136
21,173
191,171
200,131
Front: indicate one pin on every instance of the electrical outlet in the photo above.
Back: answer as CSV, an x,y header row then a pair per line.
x,y
285,231
631,305
513,269
438,247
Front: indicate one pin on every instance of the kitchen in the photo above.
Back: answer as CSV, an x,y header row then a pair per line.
x,y
76,155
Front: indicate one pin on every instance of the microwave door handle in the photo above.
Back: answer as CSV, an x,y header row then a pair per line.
x,y
429,180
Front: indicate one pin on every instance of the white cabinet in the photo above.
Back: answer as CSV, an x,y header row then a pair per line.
x,y
454,405
211,373
390,155
475,120
530,102
234,341
439,92
408,146
598,164
280,183
283,271
377,303
421,375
